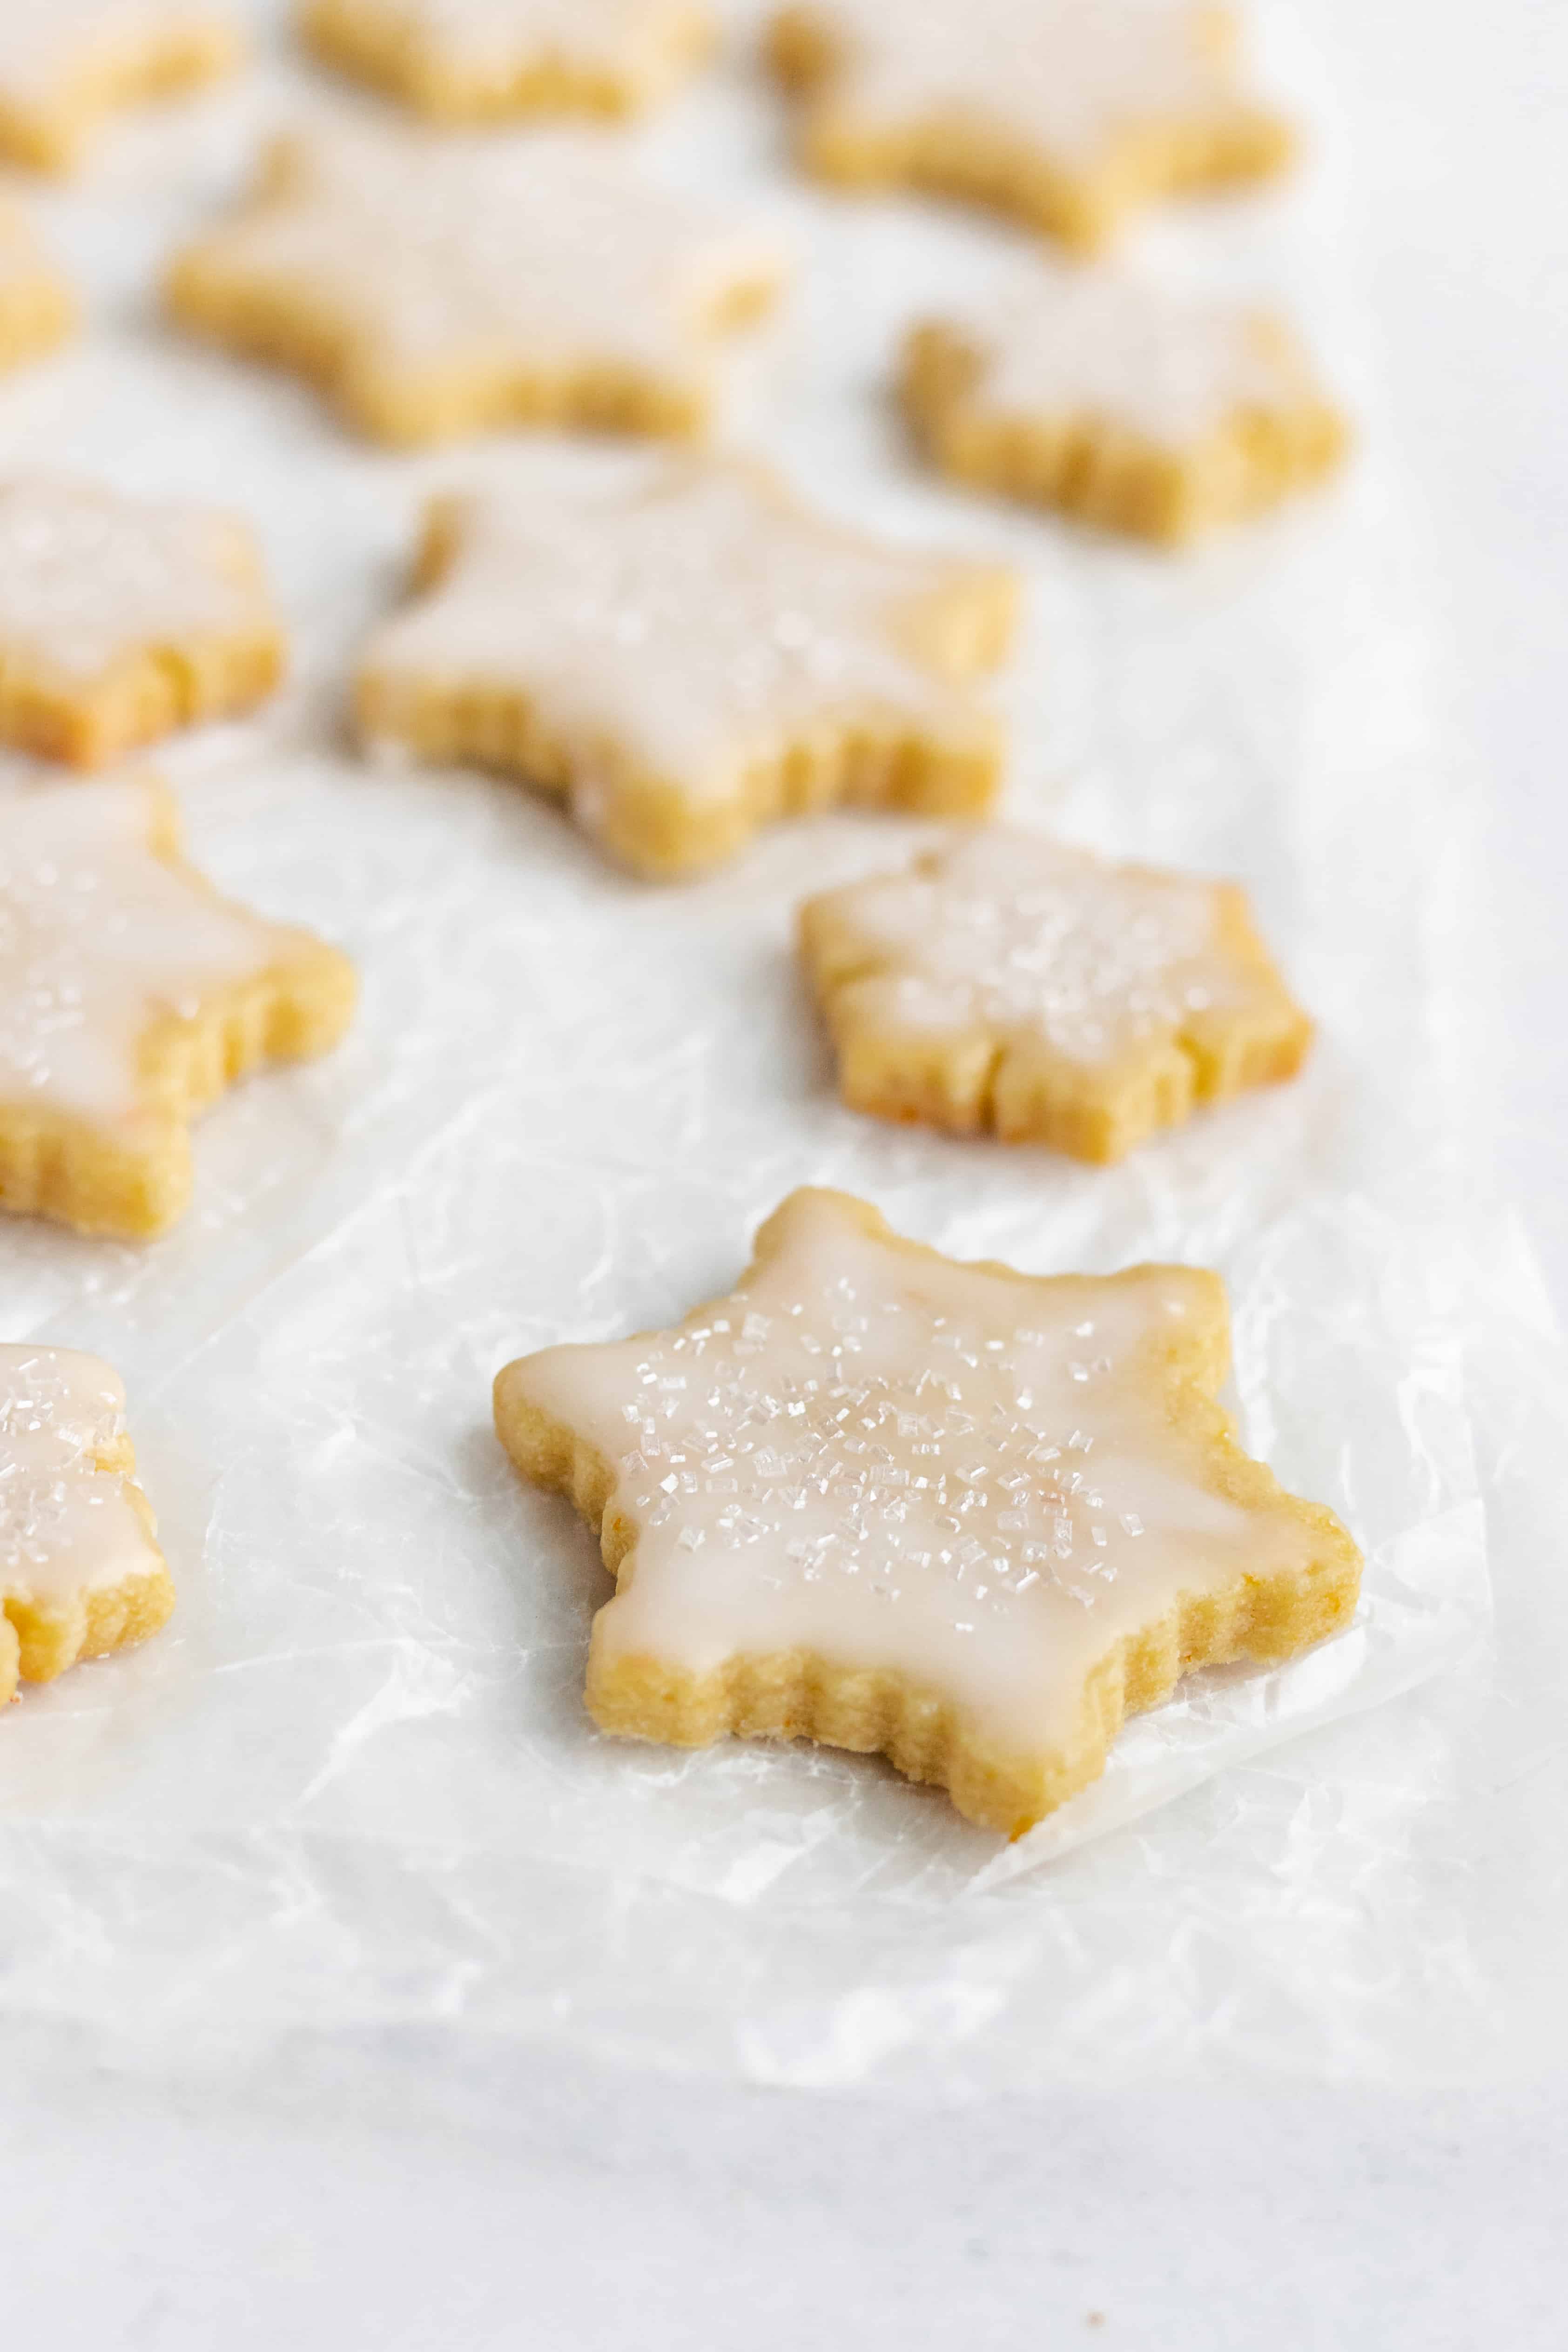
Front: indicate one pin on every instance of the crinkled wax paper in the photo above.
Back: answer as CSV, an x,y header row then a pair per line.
x,y
354,1784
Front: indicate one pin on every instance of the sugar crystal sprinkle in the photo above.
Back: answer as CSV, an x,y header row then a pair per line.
x,y
1124,348
100,936
555,253
87,575
705,558
65,1524
1012,931
820,1473
923,1565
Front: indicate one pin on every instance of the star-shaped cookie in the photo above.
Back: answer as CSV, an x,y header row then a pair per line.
x,y
435,287
131,994
1068,114
79,1572
685,663
65,64
38,310
965,1517
488,60
1013,982
121,618
1120,400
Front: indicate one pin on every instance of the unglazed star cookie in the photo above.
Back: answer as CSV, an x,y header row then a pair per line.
x,y
65,64
80,1574
435,287
131,995
485,60
1068,114
966,1517
684,664
1013,984
1120,401
38,310
121,618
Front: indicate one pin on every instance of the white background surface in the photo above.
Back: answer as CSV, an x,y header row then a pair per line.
x,y
625,2212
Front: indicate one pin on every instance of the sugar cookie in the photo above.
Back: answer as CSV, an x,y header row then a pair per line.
x,y
131,994
682,664
1013,984
38,310
1066,113
1120,401
485,60
435,287
121,618
65,64
966,1517
79,1572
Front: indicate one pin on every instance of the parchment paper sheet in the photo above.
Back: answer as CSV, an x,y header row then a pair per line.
x,y
354,1786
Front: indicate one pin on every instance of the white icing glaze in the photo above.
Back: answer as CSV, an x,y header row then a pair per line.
x,y
910,1466
46,44
696,622
99,938
1122,349
88,577
634,37
1066,76
1012,932
66,1525
549,252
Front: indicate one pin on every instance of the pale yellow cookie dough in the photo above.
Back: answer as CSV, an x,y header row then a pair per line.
x,y
67,64
433,287
1066,114
1116,400
80,1574
968,1517
131,995
1010,983
122,618
683,664
37,309
493,60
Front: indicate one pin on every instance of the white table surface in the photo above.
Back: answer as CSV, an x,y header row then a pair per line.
x,y
632,2213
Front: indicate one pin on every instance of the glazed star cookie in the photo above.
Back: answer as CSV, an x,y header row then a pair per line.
x,y
65,64
1068,114
488,60
80,1574
435,287
122,618
684,664
131,995
37,311
1014,983
1120,401
965,1517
